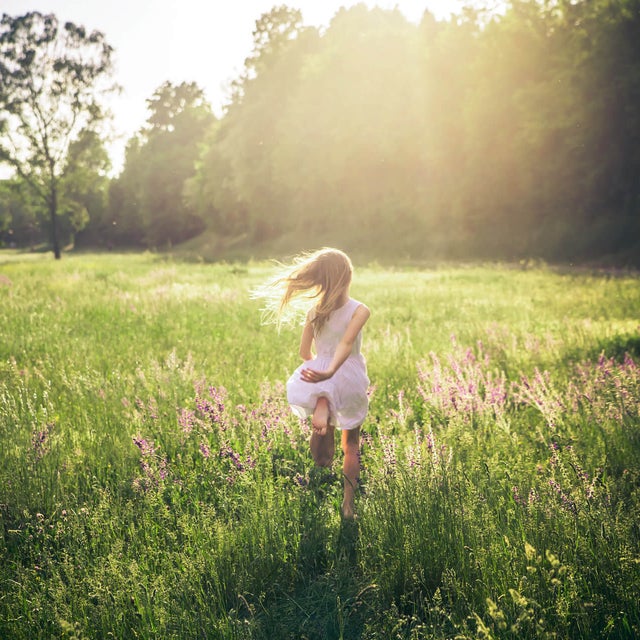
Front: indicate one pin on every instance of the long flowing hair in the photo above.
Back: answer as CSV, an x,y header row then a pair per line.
x,y
323,275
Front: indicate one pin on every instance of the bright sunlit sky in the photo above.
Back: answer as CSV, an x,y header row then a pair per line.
x,y
202,41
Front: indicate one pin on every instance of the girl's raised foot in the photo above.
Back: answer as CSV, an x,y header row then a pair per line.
x,y
320,429
320,419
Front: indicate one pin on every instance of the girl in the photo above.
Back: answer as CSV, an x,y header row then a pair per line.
x,y
331,386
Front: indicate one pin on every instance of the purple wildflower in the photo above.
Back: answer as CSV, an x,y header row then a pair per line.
x,y
154,469
516,496
186,420
152,408
389,452
565,500
431,442
229,454
147,448
213,408
465,386
40,441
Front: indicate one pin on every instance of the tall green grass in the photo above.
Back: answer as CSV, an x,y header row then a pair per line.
x,y
154,484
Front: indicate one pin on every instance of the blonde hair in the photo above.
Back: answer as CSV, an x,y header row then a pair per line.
x,y
324,274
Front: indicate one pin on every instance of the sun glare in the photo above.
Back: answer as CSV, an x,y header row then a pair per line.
x,y
202,43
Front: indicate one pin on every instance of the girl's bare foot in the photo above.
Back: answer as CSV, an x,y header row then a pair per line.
x,y
322,441
320,420
320,429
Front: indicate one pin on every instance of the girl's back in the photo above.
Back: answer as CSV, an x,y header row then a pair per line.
x,y
331,333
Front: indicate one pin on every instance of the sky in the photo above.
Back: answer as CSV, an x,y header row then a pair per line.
x,y
202,41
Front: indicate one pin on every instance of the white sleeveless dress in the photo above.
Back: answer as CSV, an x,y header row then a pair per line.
x,y
346,390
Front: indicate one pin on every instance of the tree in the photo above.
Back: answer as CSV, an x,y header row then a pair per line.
x,y
51,79
20,215
151,207
350,157
235,188
324,136
552,131
85,186
488,135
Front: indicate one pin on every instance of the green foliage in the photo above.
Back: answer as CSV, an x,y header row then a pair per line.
x,y
51,78
147,205
239,152
510,136
85,183
21,215
153,482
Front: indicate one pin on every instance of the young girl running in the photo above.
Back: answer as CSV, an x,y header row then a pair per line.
x,y
331,386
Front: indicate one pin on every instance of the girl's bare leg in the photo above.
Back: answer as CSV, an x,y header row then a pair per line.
x,y
322,438
350,469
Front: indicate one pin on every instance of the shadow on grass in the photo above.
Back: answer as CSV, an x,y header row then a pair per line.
x,y
617,347
325,602
347,542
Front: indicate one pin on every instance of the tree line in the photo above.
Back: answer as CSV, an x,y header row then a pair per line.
x,y
484,135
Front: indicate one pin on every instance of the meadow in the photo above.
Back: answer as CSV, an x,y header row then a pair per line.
x,y
154,484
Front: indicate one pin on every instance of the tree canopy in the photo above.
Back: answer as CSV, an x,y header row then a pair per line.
x,y
485,135
51,78
502,136
147,204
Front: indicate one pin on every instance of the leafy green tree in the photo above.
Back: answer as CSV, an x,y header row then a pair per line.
x,y
274,31
351,161
553,174
236,189
604,145
85,185
125,226
493,180
51,79
482,136
21,215
149,205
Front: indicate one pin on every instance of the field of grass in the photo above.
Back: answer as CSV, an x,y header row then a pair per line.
x,y
153,483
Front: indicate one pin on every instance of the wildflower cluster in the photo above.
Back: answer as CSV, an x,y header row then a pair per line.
x,y
609,391
465,387
225,443
212,408
154,468
539,392
420,452
566,484
427,451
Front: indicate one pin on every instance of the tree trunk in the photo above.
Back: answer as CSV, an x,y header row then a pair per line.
x,y
53,212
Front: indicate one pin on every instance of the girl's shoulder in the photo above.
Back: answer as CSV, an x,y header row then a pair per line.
x,y
355,305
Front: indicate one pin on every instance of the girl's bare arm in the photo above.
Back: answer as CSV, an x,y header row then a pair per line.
x,y
306,341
